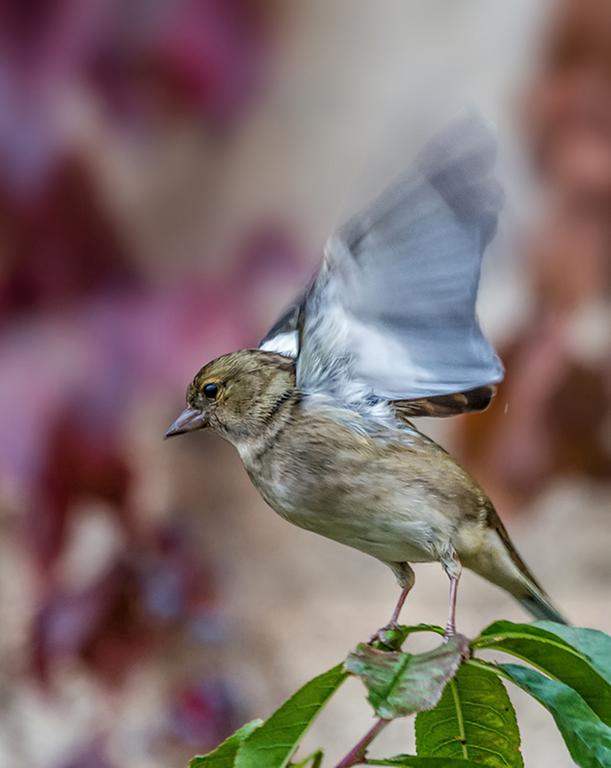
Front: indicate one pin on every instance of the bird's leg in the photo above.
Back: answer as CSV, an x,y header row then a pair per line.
x,y
451,623
394,619
451,565
406,578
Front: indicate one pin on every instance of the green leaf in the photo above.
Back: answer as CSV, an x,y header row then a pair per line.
x,y
403,683
581,658
410,630
473,721
588,739
224,755
393,637
273,744
412,761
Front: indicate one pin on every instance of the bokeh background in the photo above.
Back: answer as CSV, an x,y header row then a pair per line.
x,y
168,172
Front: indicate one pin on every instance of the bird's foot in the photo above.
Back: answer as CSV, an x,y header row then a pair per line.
x,y
380,633
449,633
460,642
390,636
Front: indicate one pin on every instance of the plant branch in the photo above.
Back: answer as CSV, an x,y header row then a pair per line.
x,y
357,753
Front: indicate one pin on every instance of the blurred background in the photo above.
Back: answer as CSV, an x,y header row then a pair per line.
x,y
169,170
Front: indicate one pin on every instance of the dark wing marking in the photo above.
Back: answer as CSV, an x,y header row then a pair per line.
x,y
446,405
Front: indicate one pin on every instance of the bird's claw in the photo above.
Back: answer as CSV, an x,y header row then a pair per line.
x,y
462,643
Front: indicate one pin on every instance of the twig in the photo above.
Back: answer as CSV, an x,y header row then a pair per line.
x,y
357,753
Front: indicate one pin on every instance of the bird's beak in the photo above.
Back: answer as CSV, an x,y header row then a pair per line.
x,y
188,421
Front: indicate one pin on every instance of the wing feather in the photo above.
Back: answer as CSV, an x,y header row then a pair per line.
x,y
391,313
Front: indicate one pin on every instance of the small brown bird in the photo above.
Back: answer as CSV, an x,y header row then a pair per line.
x,y
387,330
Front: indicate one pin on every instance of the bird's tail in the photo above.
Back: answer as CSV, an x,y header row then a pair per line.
x,y
512,573
539,605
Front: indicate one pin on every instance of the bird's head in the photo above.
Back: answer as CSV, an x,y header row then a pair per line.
x,y
237,395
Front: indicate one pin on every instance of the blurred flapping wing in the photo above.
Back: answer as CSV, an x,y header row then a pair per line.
x,y
391,314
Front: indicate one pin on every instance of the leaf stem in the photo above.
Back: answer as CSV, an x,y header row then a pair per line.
x,y
357,753
459,718
313,761
488,666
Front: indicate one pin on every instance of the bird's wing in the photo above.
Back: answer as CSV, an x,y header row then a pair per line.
x,y
283,338
391,313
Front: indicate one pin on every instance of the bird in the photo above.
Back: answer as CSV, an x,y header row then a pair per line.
x,y
387,330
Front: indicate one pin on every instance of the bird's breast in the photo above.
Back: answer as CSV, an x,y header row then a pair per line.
x,y
341,493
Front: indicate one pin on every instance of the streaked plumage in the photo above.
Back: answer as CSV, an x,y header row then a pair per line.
x,y
387,330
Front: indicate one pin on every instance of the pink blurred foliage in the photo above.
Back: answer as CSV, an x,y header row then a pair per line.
x,y
202,713
81,460
99,625
155,587
122,345
139,58
79,355
206,55
109,342
199,715
43,46
60,246
86,337
558,373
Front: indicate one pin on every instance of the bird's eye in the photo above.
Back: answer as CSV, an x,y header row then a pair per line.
x,y
211,391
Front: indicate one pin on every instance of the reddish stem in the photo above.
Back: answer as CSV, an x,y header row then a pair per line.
x,y
357,753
